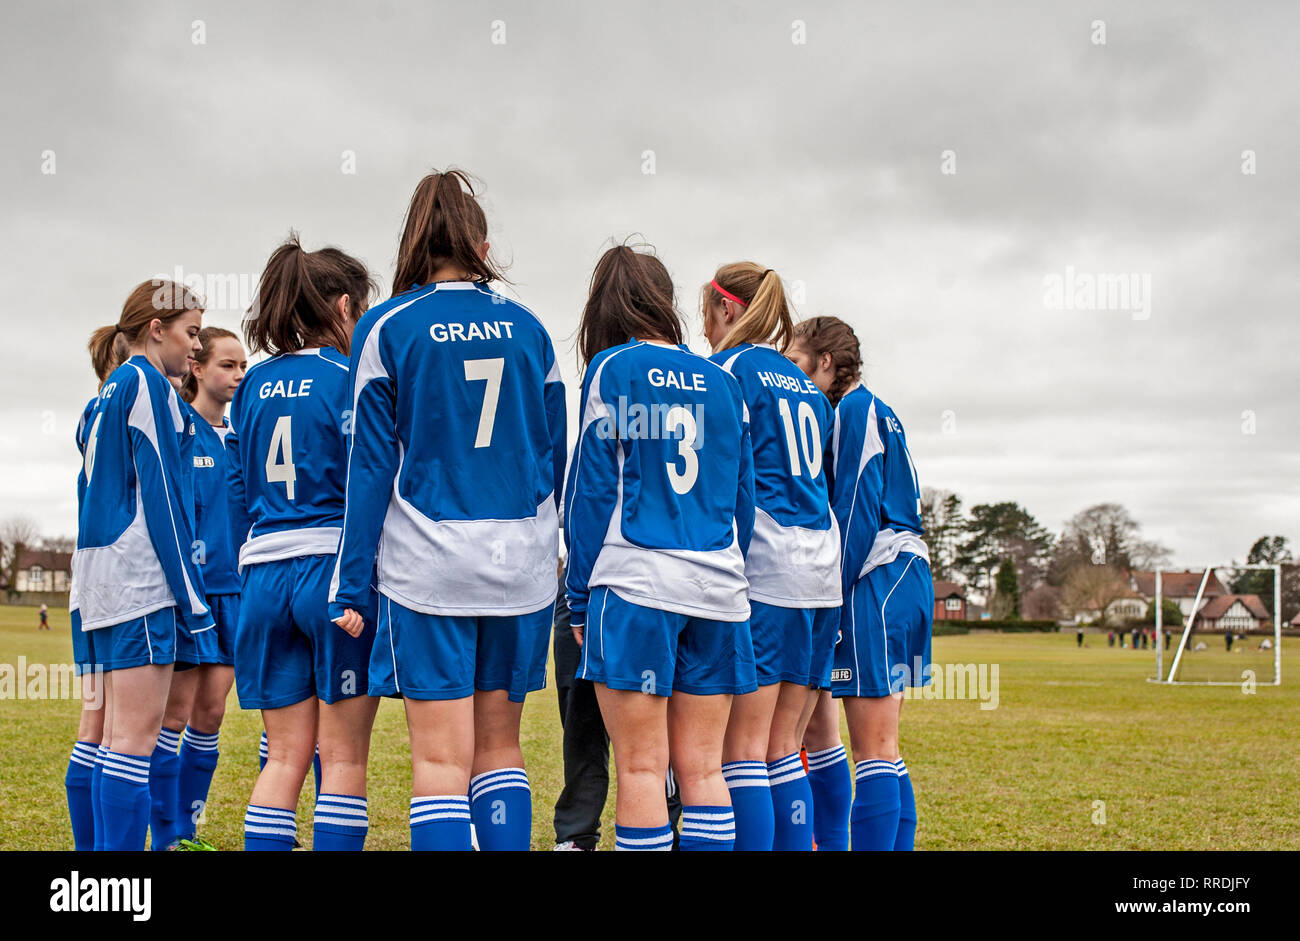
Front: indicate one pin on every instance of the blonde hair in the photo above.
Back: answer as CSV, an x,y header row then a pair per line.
x,y
766,317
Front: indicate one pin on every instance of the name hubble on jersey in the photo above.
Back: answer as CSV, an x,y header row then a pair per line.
x,y
789,383
655,421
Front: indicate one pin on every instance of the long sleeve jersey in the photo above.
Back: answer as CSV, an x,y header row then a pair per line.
x,y
659,503
134,536
874,490
794,558
457,459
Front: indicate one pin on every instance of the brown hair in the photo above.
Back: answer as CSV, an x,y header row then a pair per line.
x,y
148,301
821,335
766,318
189,383
445,226
294,307
631,295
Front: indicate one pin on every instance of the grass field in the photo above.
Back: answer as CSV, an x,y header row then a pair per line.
x,y
1174,768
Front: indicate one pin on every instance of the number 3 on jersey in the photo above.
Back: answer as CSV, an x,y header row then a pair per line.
x,y
279,456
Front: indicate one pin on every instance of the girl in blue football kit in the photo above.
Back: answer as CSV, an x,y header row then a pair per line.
x,y
87,753
886,619
793,565
200,703
285,453
659,511
135,588
453,488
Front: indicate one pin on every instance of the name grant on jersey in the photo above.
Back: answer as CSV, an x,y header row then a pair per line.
x,y
486,330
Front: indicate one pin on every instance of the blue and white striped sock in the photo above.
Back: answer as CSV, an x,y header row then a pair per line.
x,y
874,819
340,823
262,752
751,802
501,804
643,839
269,829
906,839
164,769
707,828
832,791
81,808
199,754
792,804
96,779
124,801
440,822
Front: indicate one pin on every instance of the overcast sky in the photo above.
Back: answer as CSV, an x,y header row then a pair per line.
x,y
809,136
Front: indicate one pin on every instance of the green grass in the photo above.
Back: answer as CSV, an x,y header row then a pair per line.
x,y
1176,768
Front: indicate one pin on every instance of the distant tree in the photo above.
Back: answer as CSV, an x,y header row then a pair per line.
x,y
1267,550
1041,603
59,543
1006,595
1093,586
1172,619
17,533
997,531
1104,534
941,517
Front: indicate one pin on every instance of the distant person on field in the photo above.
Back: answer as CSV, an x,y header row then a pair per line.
x,y
1227,641
45,618
1078,637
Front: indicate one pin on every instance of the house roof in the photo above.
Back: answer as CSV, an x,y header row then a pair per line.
x,y
47,559
944,590
1218,607
1177,584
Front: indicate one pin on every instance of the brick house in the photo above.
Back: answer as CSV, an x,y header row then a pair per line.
x,y
43,570
949,602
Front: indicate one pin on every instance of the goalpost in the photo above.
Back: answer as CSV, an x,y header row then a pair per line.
x,y
1173,677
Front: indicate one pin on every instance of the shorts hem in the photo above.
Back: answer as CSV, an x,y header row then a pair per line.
x,y
722,689
771,679
131,662
627,686
515,695
424,695
274,702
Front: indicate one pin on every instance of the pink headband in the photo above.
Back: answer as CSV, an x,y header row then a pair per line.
x,y
727,294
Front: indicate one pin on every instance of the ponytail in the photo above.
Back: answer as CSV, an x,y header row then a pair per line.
x,y
818,336
445,227
766,316
631,295
158,299
295,304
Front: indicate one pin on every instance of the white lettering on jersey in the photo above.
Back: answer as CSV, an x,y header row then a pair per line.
x,y
487,330
677,380
804,386
293,389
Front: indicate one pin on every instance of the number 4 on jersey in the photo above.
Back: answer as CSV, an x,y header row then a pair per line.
x,y
281,471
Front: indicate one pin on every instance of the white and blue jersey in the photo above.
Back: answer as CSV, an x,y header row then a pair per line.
x,y
220,562
286,455
457,458
659,503
794,558
889,597
134,533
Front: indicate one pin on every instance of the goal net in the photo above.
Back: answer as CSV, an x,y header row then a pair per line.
x,y
1225,638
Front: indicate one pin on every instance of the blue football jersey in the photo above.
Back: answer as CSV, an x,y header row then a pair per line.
x,y
286,455
874,490
659,503
457,457
794,557
133,531
215,550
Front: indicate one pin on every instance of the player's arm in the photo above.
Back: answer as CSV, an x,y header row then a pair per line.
x,y
590,496
557,422
241,520
157,457
855,499
745,494
372,466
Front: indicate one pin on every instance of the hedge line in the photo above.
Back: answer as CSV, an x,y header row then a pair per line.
x,y
1005,627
